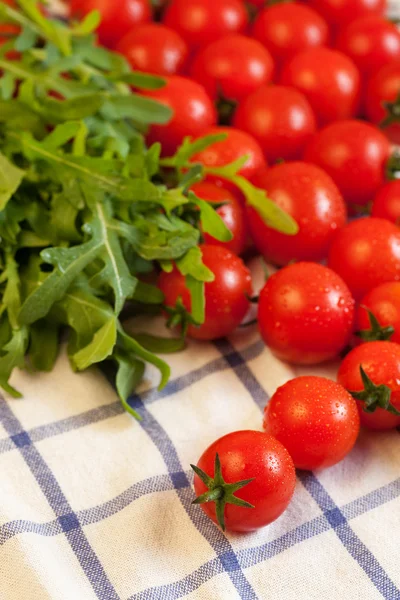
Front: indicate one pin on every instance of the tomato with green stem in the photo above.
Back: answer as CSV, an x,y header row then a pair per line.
x,y
371,373
316,420
382,100
378,315
244,480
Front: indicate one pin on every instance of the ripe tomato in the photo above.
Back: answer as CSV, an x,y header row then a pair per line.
x,y
232,213
382,304
263,471
387,202
354,154
365,254
201,22
306,313
316,420
341,13
237,144
307,194
279,118
117,18
371,42
378,390
384,87
193,112
286,29
165,57
227,297
329,80
232,67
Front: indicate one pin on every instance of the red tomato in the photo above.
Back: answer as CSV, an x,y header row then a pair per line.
x,y
345,11
232,213
381,363
154,48
287,29
307,194
193,110
384,87
371,42
365,254
387,202
329,80
279,118
383,302
354,154
237,144
316,420
306,313
201,22
232,67
244,456
117,18
227,297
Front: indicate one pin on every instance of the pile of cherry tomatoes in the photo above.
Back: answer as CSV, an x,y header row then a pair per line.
x,y
310,93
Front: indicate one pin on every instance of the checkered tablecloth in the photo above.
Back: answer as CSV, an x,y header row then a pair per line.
x,y
94,504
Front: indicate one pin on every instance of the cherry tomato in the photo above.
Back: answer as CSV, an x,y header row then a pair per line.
x,y
366,253
329,80
384,87
201,22
244,456
233,67
307,194
227,297
232,213
371,42
193,112
306,313
154,48
316,420
381,364
236,145
382,305
117,18
387,202
345,11
354,154
279,118
286,29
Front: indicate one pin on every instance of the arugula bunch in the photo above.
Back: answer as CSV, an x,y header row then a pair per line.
x,y
85,208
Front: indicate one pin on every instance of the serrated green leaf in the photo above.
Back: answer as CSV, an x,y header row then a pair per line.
x,y
100,348
43,346
129,375
10,180
142,109
192,264
159,344
88,25
211,221
197,296
143,81
132,346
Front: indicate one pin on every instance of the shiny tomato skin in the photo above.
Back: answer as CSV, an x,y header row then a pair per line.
x,y
247,455
329,80
201,22
194,112
386,204
307,194
342,13
354,154
232,67
371,42
227,297
365,254
306,313
117,18
316,420
287,29
232,213
281,120
384,86
154,48
383,302
381,362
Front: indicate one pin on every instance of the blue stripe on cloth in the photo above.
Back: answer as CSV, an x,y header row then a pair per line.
x,y
68,521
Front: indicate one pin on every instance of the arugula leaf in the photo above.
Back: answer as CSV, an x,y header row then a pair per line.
x,y
211,221
10,180
160,344
100,348
43,345
129,374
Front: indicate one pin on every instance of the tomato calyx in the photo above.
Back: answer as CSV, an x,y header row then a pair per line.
x,y
220,492
226,109
179,317
393,113
376,332
374,396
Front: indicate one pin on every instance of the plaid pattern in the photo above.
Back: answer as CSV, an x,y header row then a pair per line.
x,y
96,505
